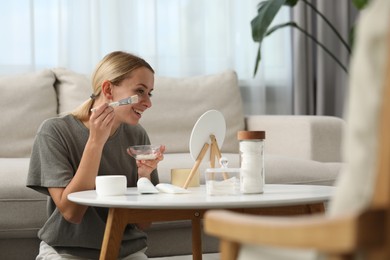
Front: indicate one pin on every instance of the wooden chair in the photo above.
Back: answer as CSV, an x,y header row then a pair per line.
x,y
337,236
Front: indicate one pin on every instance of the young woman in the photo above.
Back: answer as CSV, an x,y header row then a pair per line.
x,y
70,151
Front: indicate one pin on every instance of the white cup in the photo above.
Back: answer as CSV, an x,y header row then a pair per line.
x,y
111,185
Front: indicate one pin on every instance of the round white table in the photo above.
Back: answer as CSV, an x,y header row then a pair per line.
x,y
134,207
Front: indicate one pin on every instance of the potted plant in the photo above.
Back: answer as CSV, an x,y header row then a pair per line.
x,y
268,9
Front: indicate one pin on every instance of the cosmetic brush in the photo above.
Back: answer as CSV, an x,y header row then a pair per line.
x,y
125,101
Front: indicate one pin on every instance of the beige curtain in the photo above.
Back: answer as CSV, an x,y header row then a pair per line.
x,y
319,83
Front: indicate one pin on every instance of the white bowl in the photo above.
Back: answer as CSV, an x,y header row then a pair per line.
x,y
111,185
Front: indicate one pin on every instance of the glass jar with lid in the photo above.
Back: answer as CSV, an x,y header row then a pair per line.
x,y
251,161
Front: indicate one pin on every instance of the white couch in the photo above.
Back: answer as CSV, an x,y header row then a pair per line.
x,y
298,149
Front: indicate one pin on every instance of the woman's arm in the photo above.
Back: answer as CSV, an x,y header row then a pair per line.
x,y
100,125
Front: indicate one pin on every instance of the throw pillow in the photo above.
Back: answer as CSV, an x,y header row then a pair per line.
x,y
26,100
73,89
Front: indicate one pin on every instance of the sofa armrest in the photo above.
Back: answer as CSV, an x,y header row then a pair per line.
x,y
316,138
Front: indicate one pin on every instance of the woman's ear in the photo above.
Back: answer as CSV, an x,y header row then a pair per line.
x,y
107,90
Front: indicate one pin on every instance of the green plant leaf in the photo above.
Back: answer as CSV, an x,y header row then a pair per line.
x,y
279,26
258,58
352,36
296,26
291,2
331,26
360,4
266,12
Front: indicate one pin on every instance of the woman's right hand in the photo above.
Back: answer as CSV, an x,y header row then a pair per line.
x,y
101,122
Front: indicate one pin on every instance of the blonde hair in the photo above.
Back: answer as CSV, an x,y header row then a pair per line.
x,y
114,67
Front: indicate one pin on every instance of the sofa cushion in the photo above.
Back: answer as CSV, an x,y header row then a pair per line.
x,y
73,89
26,100
316,138
179,102
289,170
23,210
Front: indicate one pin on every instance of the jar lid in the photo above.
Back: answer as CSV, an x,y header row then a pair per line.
x,y
249,135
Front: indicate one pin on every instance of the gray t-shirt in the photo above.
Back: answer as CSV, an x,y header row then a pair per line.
x,y
55,157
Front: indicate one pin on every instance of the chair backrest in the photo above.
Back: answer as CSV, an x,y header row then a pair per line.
x,y
381,197
357,186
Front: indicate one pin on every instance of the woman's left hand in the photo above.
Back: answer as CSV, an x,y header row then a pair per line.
x,y
145,167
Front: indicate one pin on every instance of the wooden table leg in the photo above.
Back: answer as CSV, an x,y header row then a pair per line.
x,y
113,234
196,237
